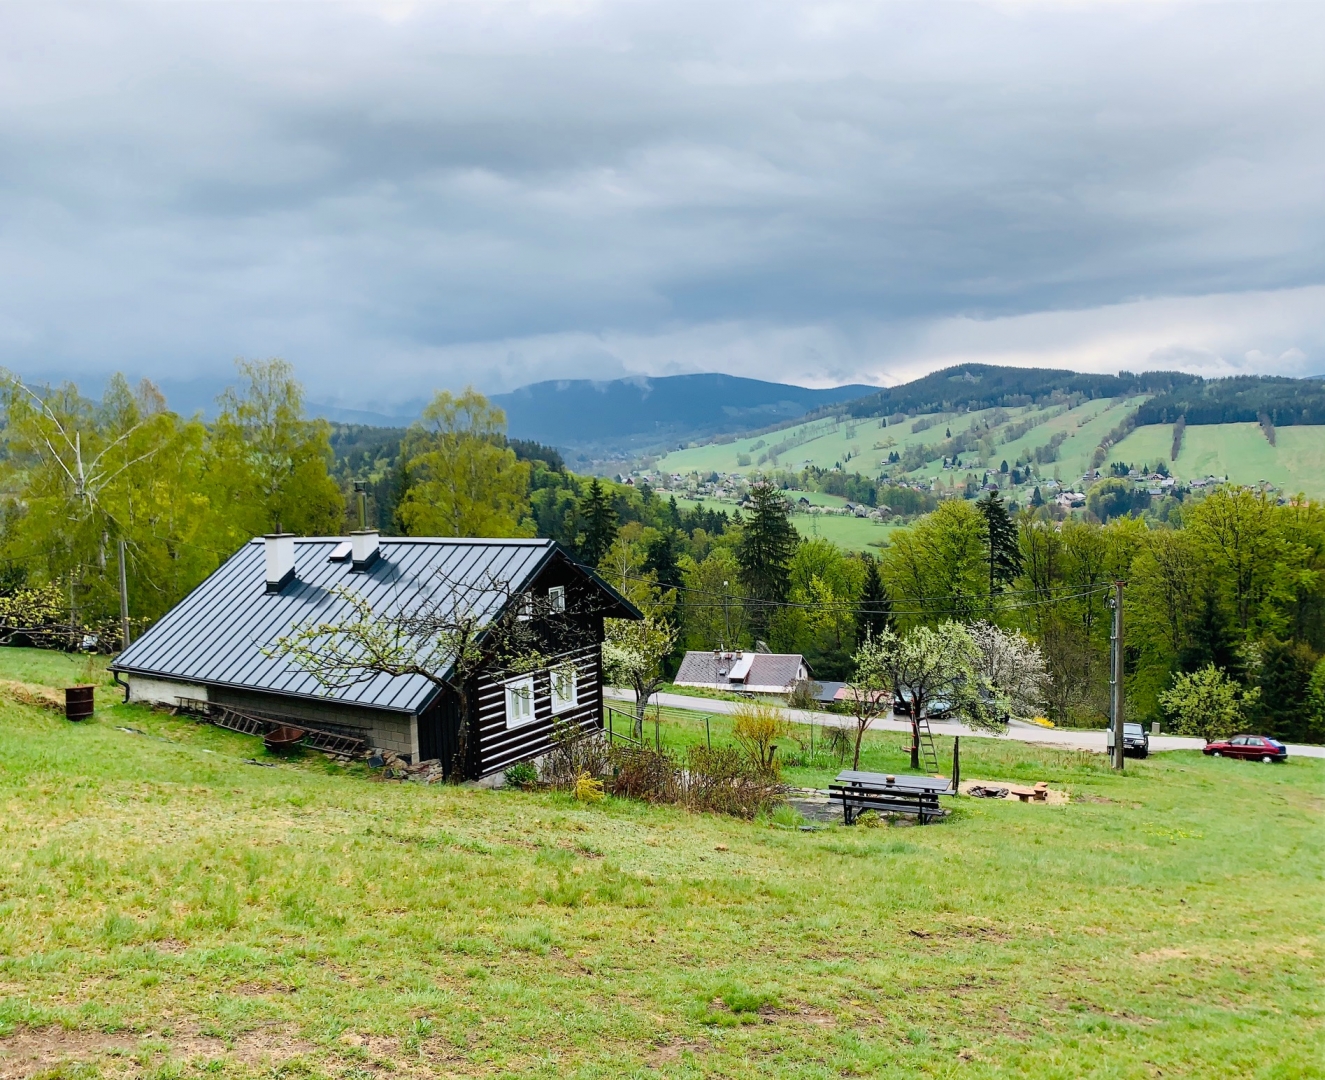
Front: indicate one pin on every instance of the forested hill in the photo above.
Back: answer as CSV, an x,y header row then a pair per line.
x,y
1240,399
640,413
969,387
1243,399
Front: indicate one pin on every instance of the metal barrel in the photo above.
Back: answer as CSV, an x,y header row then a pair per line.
x,y
79,702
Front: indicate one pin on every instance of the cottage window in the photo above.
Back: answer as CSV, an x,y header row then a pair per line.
x,y
520,701
556,599
524,607
564,691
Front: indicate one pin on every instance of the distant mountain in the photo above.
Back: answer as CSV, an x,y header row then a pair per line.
x,y
632,416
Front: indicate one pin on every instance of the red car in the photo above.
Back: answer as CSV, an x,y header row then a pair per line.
x,y
1252,747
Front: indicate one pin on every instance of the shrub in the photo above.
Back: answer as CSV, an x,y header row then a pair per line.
x,y
726,780
588,789
837,743
522,775
642,773
1207,703
756,727
574,751
805,694
1316,703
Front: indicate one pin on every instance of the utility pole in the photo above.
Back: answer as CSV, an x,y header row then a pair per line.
x,y
726,625
124,599
1116,674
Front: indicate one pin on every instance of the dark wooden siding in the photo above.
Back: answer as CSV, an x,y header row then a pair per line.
x,y
439,731
500,747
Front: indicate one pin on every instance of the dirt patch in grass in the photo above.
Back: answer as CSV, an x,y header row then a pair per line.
x,y
1053,797
30,1051
671,1052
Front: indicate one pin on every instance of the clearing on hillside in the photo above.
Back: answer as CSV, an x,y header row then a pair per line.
x,y
1296,463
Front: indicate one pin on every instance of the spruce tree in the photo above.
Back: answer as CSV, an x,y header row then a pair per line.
x,y
875,613
1002,546
768,542
660,557
598,524
1212,640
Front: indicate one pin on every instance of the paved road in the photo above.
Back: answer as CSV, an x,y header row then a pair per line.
x,y
1067,739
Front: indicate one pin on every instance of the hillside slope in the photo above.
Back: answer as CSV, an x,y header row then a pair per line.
x,y
1294,464
636,415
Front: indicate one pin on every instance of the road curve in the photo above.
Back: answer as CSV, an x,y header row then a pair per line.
x,y
1063,738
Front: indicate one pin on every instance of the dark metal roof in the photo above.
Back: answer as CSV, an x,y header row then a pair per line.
x,y
216,634
767,670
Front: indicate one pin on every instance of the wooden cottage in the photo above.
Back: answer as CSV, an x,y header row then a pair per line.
x,y
216,645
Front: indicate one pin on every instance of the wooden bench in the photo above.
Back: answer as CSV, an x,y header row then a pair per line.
x,y
888,793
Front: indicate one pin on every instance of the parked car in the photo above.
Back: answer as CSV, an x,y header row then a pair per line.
x,y
1252,747
1136,740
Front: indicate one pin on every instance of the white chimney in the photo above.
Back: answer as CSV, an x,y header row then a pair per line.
x,y
363,544
280,559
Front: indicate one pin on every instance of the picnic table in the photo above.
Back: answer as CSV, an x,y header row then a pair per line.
x,y
900,793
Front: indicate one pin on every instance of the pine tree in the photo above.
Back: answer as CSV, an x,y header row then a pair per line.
x,y
599,524
768,542
875,613
673,513
660,557
1003,550
1212,641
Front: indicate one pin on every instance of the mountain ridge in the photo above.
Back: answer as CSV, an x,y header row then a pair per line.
x,y
618,417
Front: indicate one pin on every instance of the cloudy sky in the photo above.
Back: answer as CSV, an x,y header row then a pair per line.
x,y
400,196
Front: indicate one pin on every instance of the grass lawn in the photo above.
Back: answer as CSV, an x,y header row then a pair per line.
x,y
167,910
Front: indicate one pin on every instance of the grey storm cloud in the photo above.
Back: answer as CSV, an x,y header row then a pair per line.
x,y
400,196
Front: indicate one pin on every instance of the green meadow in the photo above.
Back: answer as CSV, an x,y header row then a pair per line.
x,y
861,445
176,903
848,533
1296,463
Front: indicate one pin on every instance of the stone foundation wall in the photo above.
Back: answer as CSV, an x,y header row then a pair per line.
x,y
379,728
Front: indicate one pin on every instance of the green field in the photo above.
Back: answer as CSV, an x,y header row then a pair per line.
x,y
1239,451
848,533
862,445
171,909
858,444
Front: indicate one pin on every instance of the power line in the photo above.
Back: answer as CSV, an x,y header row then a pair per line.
x,y
932,604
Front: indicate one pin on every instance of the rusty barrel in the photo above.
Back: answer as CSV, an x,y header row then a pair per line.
x,y
79,702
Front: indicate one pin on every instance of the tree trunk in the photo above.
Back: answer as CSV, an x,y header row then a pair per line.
x,y
642,692
915,738
460,767
860,735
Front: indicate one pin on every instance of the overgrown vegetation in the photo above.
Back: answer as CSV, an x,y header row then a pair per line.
x,y
169,910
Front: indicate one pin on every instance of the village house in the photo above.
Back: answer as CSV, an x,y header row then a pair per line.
x,y
215,648
743,672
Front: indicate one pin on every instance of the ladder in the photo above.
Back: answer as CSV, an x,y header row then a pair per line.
x,y
250,724
929,754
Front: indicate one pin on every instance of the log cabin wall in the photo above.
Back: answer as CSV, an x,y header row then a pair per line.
x,y
500,745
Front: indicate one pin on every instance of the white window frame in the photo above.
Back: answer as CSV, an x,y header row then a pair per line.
x,y
520,703
556,599
524,607
564,697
